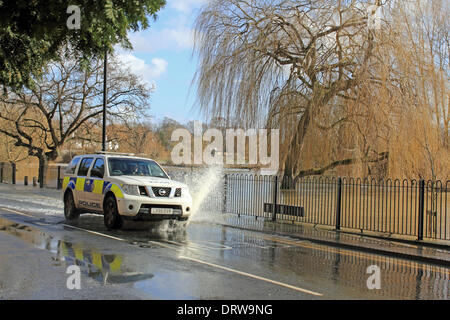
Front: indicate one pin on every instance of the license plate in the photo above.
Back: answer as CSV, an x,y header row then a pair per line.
x,y
161,211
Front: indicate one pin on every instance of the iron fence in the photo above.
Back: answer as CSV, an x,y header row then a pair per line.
x,y
392,207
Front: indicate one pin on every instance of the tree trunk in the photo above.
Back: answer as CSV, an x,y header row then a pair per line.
x,y
292,162
43,164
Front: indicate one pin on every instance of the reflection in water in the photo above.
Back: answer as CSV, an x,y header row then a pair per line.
x,y
401,279
105,268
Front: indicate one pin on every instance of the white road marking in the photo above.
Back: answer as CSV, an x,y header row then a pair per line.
x,y
94,232
209,245
253,276
181,245
163,245
198,245
66,225
17,212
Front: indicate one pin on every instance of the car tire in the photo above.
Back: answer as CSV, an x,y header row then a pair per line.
x,y
70,211
111,216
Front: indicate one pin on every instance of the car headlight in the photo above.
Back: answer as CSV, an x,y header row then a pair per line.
x,y
185,193
130,189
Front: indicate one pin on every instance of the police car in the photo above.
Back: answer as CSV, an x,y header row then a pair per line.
x,y
120,187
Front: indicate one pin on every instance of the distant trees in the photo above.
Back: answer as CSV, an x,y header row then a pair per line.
x,y
45,115
131,136
140,138
164,132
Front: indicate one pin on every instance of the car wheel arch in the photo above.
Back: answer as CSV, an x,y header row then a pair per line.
x,y
108,195
68,190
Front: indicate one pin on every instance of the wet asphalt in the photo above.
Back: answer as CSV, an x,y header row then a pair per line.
x,y
199,260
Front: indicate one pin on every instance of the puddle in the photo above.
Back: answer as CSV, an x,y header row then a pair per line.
x,y
106,268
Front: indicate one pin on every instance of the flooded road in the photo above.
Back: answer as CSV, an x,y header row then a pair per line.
x,y
197,261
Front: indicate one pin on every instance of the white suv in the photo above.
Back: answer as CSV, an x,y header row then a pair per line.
x,y
122,187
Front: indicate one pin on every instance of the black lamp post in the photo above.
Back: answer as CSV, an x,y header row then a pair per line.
x,y
105,93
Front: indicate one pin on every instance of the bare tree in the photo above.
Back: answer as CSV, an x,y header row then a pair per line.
x,y
137,138
8,151
42,117
416,60
281,63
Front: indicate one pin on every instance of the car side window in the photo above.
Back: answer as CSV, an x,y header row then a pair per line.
x,y
98,170
72,165
84,167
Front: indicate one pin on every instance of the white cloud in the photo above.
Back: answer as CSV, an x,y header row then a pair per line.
x,y
186,6
159,66
148,72
178,38
177,33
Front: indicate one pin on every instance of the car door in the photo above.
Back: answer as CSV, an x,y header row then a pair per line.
x,y
94,185
70,177
80,193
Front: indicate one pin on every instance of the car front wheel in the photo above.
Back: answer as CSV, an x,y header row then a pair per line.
x,y
70,211
111,215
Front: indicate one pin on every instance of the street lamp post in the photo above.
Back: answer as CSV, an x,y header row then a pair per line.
x,y
105,94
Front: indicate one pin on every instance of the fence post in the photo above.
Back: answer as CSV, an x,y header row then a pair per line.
x,y
58,181
275,198
420,216
338,204
225,193
1,172
13,173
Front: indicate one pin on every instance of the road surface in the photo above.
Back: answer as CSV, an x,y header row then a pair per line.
x,y
199,260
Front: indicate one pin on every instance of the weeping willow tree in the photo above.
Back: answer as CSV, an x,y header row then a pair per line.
x,y
285,64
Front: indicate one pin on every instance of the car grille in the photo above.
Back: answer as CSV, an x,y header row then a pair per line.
x,y
143,191
161,192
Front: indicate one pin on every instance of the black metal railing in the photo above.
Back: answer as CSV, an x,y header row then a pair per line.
x,y
391,207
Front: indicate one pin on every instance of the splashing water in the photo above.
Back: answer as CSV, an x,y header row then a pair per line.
x,y
207,192
206,187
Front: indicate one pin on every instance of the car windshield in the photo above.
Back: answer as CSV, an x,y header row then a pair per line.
x,y
135,167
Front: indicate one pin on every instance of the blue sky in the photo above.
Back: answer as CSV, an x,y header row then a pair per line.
x,y
162,55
